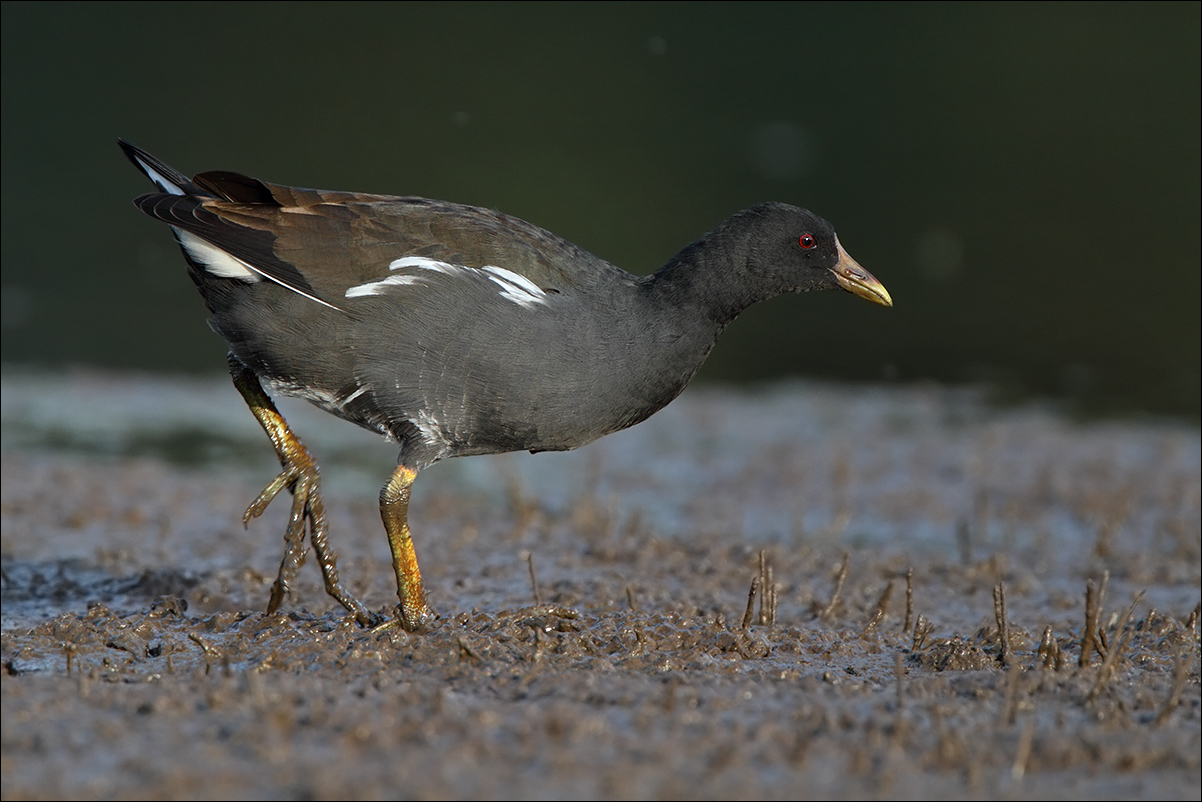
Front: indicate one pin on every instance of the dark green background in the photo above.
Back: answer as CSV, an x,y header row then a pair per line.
x,y
1025,179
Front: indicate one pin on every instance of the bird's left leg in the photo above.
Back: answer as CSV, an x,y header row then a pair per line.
x,y
414,613
300,476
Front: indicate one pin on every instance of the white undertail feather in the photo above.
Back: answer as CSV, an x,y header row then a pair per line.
x,y
225,265
162,182
213,259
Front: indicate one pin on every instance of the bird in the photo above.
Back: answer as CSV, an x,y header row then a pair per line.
x,y
455,330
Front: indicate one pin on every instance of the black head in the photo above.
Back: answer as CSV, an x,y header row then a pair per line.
x,y
798,251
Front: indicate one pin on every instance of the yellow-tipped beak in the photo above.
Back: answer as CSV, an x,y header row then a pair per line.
x,y
859,281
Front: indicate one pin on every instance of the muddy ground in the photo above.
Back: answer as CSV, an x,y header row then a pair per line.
x,y
932,562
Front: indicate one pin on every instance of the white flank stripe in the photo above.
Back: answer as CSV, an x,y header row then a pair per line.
x,y
378,287
425,264
517,288
514,287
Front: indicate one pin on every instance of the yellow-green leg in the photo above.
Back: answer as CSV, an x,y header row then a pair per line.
x,y
300,476
414,614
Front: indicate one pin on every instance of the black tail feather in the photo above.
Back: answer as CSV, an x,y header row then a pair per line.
x,y
164,176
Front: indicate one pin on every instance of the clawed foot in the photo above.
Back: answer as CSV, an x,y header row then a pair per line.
x,y
415,620
301,477
419,623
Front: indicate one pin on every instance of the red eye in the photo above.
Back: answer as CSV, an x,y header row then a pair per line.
x,y
806,241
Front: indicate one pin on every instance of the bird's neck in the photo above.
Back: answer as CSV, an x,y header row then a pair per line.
x,y
713,279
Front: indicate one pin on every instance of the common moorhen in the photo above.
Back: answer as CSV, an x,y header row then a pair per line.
x,y
455,330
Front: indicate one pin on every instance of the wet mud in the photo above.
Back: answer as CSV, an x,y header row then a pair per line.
x,y
803,591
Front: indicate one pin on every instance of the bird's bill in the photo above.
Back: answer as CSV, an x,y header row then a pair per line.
x,y
859,281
